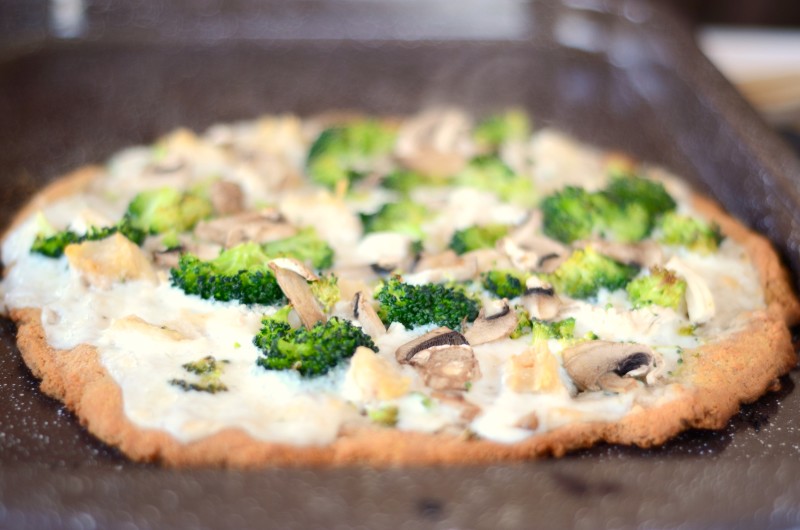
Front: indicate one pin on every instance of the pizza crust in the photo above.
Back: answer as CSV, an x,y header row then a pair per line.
x,y
724,375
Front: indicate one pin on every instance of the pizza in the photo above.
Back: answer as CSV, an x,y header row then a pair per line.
x,y
434,289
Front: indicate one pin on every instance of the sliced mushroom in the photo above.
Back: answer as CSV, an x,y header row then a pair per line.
x,y
438,337
296,289
259,227
642,254
436,142
443,358
446,266
537,253
492,325
540,299
487,259
226,197
611,366
365,314
700,305
298,267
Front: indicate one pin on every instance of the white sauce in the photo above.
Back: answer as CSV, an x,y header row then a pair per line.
x,y
282,406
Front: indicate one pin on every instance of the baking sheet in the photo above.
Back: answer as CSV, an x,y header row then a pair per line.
x,y
636,83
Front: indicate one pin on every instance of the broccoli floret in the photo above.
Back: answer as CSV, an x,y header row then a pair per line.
x,y
418,305
326,291
53,246
488,172
649,194
510,125
210,372
476,237
342,153
405,217
404,181
524,323
691,233
560,329
312,352
305,246
167,210
626,210
661,287
504,283
239,273
571,214
586,271
387,415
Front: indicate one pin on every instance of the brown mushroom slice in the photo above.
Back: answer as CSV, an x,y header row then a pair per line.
x,y
540,299
641,254
295,288
443,358
365,314
259,227
537,253
386,251
435,142
226,197
611,366
492,326
298,267
438,337
487,259
446,266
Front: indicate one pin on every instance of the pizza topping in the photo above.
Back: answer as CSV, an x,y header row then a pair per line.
x,y
366,315
260,227
419,305
387,252
661,287
700,304
114,259
447,367
641,254
294,283
435,141
446,266
690,232
375,377
534,370
540,300
609,366
492,324
226,197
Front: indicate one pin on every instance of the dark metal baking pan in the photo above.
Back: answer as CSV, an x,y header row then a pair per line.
x,y
614,73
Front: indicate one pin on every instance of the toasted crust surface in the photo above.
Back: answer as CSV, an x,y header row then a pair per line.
x,y
721,376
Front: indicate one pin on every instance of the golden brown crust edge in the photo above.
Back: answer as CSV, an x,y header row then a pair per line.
x,y
735,371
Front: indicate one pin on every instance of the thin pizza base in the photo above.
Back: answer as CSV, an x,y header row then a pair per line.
x,y
724,375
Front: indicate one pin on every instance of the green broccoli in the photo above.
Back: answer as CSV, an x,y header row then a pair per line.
x,y
650,194
504,283
524,323
167,210
499,128
559,329
405,217
476,237
239,273
311,352
488,172
661,287
387,415
305,246
626,210
694,234
342,153
418,305
586,271
53,245
210,372
404,181
326,291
